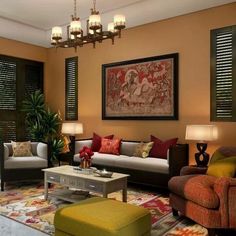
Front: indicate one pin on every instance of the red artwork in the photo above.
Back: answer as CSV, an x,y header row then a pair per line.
x,y
144,89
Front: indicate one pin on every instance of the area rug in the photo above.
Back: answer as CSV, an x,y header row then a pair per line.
x,y
26,205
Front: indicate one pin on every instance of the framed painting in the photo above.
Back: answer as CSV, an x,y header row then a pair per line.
x,y
141,89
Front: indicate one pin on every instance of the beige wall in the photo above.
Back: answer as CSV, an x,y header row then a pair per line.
x,y
188,35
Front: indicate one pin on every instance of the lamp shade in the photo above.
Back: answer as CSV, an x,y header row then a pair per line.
x,y
201,132
56,33
75,27
72,128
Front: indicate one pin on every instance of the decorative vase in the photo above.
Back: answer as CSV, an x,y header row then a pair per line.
x,y
85,164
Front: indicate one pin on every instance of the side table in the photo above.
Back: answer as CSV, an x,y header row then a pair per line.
x,y
193,169
65,157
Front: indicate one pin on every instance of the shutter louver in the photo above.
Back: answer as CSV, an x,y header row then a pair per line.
x,y
8,129
71,88
7,85
224,72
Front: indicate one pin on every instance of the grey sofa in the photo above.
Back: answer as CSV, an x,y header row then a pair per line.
x,y
23,168
148,171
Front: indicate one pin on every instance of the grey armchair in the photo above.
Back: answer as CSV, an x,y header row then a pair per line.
x,y
23,168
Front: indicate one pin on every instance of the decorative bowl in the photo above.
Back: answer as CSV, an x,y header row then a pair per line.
x,y
104,173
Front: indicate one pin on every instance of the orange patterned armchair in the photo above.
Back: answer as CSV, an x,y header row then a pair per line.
x,y
208,200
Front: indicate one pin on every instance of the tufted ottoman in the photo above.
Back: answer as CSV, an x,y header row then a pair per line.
x,y
102,217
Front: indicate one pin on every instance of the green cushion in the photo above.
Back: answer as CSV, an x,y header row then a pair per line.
x,y
217,155
223,167
102,217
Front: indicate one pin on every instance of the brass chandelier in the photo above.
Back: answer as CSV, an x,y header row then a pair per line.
x,y
94,32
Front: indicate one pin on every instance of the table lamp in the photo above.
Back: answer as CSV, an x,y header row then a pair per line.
x,y
72,128
202,134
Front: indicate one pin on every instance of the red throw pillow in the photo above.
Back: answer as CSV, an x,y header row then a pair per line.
x,y
159,148
110,146
96,143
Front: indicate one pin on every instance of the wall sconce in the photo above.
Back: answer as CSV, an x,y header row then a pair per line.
x,y
202,134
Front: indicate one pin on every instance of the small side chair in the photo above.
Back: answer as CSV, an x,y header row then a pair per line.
x,y
23,168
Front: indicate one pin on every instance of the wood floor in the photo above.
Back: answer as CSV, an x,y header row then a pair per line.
x,y
12,228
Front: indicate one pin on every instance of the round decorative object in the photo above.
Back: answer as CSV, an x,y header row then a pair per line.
x,y
104,173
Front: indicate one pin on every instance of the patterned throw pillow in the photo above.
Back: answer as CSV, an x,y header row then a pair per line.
x,y
96,143
21,149
110,146
160,147
143,149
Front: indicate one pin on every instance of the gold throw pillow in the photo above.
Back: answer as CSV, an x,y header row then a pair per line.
x,y
143,149
21,149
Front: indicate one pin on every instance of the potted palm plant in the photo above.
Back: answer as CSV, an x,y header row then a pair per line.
x,y
42,124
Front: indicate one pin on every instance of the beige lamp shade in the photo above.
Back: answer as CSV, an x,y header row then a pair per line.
x,y
72,128
201,132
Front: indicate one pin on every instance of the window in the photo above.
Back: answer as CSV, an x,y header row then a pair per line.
x,y
223,74
71,91
18,78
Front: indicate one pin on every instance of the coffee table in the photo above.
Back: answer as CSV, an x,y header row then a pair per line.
x,y
68,177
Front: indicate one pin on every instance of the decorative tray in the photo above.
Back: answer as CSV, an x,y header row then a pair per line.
x,y
104,173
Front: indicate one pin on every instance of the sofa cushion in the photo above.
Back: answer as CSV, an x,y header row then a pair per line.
x,y
102,159
143,149
96,142
145,164
110,146
25,162
81,143
185,186
128,148
160,147
21,149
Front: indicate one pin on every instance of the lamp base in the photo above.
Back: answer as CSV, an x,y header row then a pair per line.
x,y
201,157
72,144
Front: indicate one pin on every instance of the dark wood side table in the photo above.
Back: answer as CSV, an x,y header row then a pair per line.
x,y
193,169
65,157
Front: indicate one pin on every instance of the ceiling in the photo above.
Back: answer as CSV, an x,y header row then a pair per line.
x,y
31,21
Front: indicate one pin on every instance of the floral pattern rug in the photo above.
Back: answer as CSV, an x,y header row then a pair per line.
x,y
26,204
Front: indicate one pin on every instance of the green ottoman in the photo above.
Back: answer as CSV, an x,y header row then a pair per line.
x,y
102,217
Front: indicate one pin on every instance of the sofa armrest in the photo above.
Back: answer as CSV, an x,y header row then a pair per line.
x,y
6,152
225,187
193,170
42,150
178,157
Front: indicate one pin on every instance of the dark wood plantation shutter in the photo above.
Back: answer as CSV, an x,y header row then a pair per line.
x,y
8,98
71,93
18,78
223,74
7,85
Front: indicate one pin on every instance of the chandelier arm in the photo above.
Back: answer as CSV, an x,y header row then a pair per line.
x,y
75,15
94,5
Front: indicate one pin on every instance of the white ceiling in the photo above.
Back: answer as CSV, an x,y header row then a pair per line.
x,y
31,21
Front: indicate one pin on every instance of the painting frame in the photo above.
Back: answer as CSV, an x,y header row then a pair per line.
x,y
155,81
